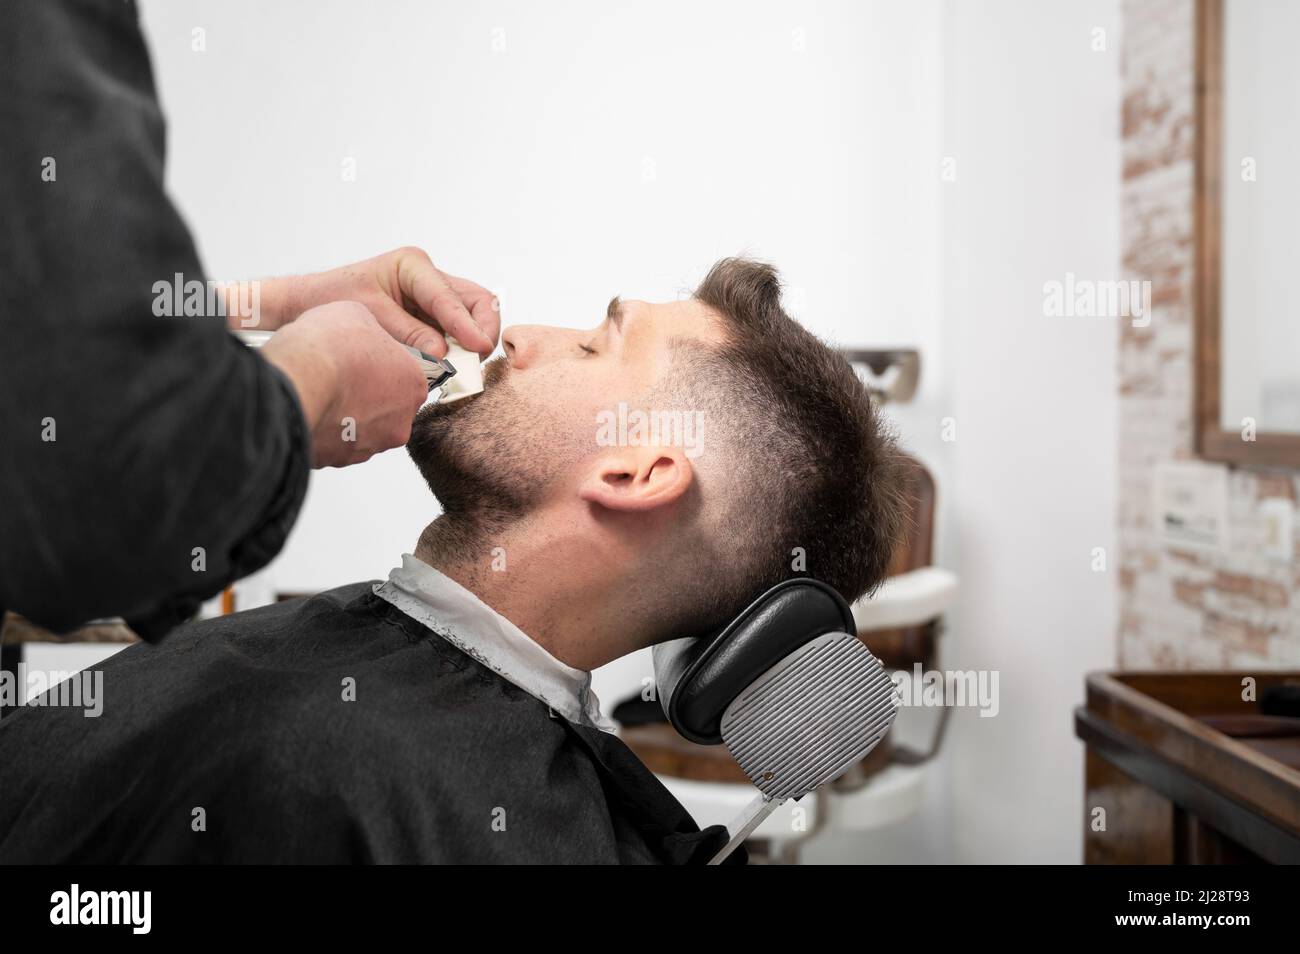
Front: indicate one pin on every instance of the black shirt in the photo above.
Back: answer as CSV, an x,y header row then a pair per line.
x,y
145,461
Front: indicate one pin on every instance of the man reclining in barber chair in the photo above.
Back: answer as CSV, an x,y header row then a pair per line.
x,y
446,714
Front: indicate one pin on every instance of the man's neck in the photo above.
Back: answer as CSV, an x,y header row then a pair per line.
x,y
513,569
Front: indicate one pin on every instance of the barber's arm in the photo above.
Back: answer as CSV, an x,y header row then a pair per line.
x,y
146,458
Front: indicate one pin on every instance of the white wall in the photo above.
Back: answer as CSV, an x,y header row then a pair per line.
x,y
621,150
1032,117
601,151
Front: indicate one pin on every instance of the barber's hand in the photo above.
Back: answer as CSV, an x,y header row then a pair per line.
x,y
359,389
408,295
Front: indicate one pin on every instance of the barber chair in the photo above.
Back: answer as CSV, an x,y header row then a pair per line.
x,y
799,690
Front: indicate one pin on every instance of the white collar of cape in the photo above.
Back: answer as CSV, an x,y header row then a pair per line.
x,y
435,600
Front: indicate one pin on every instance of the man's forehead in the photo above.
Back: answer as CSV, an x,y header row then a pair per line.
x,y
687,318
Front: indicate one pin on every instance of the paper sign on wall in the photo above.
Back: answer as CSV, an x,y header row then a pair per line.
x,y
1191,504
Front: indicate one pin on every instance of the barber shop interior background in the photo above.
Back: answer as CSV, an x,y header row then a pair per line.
x,y
1054,237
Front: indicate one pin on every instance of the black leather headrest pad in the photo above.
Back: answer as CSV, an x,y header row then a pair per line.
x,y
699,678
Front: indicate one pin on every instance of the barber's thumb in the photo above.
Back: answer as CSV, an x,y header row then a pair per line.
x,y
405,328
431,342
417,334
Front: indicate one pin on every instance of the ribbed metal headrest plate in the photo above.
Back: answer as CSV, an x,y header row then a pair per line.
x,y
811,716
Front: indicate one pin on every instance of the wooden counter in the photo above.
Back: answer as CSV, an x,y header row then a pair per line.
x,y
1186,771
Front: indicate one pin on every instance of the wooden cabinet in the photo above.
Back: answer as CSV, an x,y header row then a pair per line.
x,y
1183,768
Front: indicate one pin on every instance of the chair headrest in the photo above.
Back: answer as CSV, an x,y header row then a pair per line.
x,y
698,677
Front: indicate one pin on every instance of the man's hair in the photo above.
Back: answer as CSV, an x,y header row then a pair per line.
x,y
810,463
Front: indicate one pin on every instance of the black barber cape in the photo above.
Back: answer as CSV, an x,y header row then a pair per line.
x,y
329,729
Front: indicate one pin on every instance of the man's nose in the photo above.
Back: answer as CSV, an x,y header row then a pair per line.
x,y
518,343
526,345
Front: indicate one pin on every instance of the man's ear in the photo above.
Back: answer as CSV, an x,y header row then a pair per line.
x,y
636,479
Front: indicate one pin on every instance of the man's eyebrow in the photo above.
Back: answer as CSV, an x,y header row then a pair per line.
x,y
614,313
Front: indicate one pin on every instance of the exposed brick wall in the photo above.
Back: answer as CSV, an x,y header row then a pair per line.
x,y
1179,609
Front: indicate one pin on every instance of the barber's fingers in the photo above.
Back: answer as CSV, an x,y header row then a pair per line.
x,y
482,304
363,399
408,329
381,386
421,282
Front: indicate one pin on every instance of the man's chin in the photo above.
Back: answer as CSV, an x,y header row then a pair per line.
x,y
457,445
483,453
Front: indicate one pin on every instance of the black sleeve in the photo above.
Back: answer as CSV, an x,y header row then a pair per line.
x,y
145,461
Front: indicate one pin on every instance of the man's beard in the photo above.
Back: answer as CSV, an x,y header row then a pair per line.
x,y
480,455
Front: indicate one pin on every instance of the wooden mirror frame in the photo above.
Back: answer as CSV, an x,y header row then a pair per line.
x,y
1269,449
